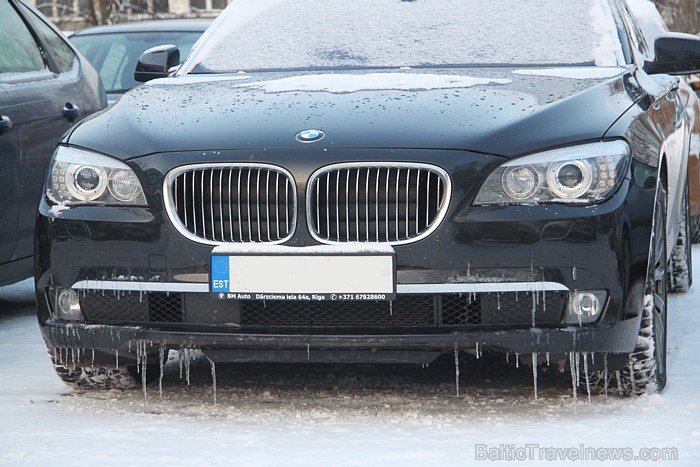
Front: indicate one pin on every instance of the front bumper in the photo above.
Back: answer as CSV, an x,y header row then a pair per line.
x,y
553,249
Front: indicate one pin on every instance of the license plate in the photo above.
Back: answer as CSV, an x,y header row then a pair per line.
x,y
271,272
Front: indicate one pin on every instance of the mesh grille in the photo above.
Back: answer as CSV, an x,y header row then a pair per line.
x,y
110,307
409,310
383,203
230,204
404,311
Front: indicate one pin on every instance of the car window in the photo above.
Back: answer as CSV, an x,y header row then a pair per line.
x,y
634,31
376,34
20,52
62,54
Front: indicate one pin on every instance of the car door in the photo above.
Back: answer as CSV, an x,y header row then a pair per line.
x,y
46,103
9,183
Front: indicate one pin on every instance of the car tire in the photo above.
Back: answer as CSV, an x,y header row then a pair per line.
x,y
96,378
645,369
680,274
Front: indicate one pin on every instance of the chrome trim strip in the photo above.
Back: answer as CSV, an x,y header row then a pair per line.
x,y
192,168
439,215
135,286
482,287
485,287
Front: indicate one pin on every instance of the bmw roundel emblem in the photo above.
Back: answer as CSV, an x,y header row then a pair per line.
x,y
309,136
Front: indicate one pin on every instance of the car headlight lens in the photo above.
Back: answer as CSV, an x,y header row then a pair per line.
x,y
582,174
77,176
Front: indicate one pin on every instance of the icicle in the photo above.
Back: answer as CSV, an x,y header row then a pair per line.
x,y
634,383
507,357
498,301
391,308
187,365
585,370
161,360
547,355
181,358
534,307
213,377
92,362
605,373
573,273
308,352
116,358
142,356
619,382
578,367
517,360
516,295
477,351
574,384
457,369
535,359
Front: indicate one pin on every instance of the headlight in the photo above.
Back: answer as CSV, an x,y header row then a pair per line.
x,y
82,177
582,174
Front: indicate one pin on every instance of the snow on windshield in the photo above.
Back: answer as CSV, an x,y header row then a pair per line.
x,y
301,34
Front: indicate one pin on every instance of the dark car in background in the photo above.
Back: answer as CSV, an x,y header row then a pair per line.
x,y
45,87
114,49
382,182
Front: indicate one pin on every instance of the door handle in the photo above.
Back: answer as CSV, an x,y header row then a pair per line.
x,y
71,112
5,123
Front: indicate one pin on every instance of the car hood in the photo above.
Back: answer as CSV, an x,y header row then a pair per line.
x,y
488,110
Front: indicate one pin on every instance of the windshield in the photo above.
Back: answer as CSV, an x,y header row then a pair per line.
x,y
341,34
115,55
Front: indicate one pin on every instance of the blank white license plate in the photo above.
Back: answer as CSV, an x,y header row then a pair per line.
x,y
287,273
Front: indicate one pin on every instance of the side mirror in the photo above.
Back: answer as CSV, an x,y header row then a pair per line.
x,y
156,62
675,54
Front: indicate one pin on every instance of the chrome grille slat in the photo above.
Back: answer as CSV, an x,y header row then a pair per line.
x,y
231,203
401,201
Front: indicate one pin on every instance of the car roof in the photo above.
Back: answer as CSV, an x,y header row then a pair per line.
x,y
172,25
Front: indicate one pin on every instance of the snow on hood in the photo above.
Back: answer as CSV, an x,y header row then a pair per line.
x,y
340,83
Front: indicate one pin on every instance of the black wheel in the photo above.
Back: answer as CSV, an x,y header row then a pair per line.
x,y
645,369
680,274
96,378
645,372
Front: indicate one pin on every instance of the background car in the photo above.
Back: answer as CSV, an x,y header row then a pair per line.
x,y
652,25
379,181
45,87
114,49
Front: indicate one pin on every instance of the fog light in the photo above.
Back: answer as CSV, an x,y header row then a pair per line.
x,y
585,306
68,305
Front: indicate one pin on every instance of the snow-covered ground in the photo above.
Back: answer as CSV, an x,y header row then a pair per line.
x,y
340,415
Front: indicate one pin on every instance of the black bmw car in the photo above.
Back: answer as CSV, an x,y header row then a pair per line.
x,y
379,181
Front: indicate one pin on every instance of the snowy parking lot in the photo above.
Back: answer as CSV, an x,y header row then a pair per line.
x,y
345,415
